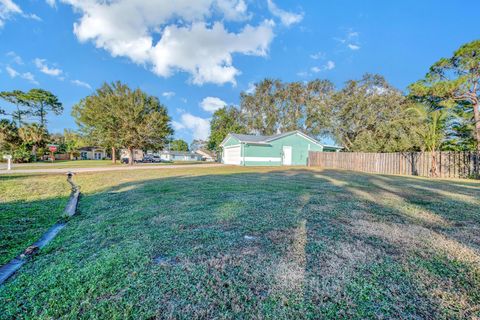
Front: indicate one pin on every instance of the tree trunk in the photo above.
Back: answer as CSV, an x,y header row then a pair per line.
x,y
34,152
42,116
71,155
476,115
114,156
433,171
130,153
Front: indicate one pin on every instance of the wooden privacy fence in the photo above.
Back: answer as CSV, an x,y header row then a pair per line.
x,y
449,164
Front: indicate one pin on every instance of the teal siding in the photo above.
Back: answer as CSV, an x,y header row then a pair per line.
x,y
273,152
231,142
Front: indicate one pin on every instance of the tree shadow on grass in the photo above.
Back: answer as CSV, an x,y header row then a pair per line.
x,y
287,244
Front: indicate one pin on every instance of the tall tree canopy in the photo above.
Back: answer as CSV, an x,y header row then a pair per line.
x,y
259,109
35,136
20,100
224,121
453,82
179,145
41,102
96,115
131,118
370,115
275,106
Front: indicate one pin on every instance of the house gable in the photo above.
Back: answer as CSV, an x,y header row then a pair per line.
x,y
230,141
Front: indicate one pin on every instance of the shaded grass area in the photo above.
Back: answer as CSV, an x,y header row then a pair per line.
x,y
29,205
320,244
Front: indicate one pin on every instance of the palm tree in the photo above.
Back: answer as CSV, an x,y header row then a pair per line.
x,y
434,131
34,135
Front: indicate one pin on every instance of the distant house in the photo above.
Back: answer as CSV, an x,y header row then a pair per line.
x,y
207,155
137,154
92,153
290,148
179,156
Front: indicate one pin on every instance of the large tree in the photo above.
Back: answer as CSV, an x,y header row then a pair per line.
x,y
455,81
179,145
276,106
139,121
260,108
35,136
41,102
370,115
20,100
96,115
224,121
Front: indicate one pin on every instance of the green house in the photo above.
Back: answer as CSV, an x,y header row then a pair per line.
x,y
287,149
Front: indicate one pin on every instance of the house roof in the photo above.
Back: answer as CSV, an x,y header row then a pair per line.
x,y
258,139
206,152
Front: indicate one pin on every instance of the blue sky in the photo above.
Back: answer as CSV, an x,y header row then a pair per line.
x,y
197,55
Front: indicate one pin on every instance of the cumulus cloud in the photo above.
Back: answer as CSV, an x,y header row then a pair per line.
x,y
81,84
212,104
287,18
198,127
41,64
188,40
329,65
26,75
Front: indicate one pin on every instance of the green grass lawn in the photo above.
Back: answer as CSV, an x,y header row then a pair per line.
x,y
232,242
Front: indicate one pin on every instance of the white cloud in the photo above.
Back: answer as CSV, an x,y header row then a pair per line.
x,y
44,68
212,104
351,40
12,72
251,88
187,42
318,55
51,3
287,18
353,46
168,94
330,65
15,57
30,77
81,84
26,75
8,8
198,127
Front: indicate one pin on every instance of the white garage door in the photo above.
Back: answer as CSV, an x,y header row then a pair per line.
x,y
231,155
